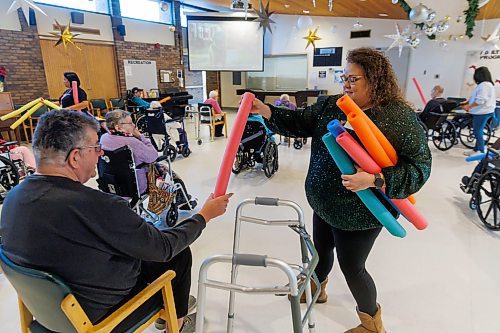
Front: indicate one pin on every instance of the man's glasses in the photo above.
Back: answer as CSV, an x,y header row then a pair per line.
x,y
351,78
127,124
97,149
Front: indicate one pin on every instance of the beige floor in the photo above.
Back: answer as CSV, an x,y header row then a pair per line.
x,y
441,280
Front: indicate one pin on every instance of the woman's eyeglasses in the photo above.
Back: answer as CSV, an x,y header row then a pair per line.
x,y
127,124
97,149
351,78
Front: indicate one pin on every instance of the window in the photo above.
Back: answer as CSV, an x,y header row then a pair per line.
x,y
148,10
98,6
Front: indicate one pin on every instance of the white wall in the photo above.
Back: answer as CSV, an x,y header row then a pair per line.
x,y
448,64
62,15
148,32
11,21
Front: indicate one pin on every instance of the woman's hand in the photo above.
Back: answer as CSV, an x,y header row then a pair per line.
x,y
136,133
259,107
361,180
466,107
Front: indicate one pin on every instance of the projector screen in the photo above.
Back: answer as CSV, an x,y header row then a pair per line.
x,y
224,44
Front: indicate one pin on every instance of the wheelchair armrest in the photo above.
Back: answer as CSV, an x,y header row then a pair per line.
x,y
163,158
9,143
493,152
163,282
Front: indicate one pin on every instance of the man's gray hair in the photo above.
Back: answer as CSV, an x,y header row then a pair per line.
x,y
58,132
115,117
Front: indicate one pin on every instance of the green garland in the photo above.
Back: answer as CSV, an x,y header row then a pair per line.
x,y
470,16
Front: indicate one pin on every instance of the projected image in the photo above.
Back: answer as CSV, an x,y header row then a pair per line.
x,y
225,45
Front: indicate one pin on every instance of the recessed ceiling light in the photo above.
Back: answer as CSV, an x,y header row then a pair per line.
x,y
305,11
383,14
286,5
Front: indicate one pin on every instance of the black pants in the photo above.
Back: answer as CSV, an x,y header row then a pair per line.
x,y
353,248
150,271
218,130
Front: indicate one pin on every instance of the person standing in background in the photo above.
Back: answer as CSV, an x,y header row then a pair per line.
x,y
67,101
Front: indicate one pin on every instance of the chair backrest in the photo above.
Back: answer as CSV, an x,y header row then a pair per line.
x,y
38,113
99,103
117,103
155,121
254,135
116,170
41,292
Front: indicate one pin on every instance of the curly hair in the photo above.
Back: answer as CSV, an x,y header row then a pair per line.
x,y
382,81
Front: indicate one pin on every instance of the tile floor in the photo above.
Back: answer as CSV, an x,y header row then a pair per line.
x,y
441,280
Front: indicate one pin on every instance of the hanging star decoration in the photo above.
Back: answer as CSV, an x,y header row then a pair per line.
x,y
264,17
65,36
312,38
25,5
399,40
492,40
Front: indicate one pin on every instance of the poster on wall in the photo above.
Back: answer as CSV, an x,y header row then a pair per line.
x,y
140,73
475,59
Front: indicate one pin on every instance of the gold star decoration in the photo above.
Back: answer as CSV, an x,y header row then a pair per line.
x,y
312,38
65,36
264,17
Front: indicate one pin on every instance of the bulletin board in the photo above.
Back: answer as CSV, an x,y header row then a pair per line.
x,y
140,73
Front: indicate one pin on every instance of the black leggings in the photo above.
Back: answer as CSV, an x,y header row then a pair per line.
x,y
353,248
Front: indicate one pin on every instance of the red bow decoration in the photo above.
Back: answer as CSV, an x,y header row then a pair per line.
x,y
3,71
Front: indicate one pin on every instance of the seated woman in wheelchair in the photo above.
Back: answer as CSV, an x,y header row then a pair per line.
x,y
122,131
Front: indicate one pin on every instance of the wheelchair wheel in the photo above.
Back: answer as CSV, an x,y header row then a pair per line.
x,y
487,201
239,161
141,124
445,137
171,152
424,127
9,176
466,135
472,203
304,141
186,151
297,144
270,155
172,215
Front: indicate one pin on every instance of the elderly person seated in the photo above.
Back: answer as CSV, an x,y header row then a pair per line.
x,y
284,101
213,96
121,132
92,240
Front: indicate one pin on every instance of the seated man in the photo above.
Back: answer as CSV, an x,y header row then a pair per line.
x,y
102,249
434,104
136,98
285,102
212,100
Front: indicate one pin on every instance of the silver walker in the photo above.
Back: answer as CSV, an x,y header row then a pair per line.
x,y
293,288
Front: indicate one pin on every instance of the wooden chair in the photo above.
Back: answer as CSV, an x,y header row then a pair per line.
x,y
209,117
32,121
99,107
47,304
117,103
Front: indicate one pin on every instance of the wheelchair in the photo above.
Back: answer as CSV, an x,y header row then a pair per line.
x,y
484,187
11,171
117,175
152,122
256,147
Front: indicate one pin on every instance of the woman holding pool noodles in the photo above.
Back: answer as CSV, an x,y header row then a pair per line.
x,y
340,219
73,99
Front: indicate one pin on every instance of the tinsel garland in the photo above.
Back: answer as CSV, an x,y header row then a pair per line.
x,y
470,16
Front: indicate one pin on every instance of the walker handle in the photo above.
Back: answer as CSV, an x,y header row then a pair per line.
x,y
263,201
249,260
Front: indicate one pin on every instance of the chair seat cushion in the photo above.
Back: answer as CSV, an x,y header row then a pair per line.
x,y
145,319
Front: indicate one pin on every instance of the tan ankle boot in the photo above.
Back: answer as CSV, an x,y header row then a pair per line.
x,y
369,324
323,297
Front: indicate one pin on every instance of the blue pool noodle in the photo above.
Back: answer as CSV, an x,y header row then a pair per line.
x,y
367,197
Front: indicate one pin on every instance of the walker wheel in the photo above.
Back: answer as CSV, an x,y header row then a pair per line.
x,y
199,141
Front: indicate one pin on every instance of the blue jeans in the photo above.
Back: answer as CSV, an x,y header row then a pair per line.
x,y
478,124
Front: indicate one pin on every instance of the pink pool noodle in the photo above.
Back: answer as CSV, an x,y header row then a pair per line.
x,y
366,162
419,90
233,144
74,89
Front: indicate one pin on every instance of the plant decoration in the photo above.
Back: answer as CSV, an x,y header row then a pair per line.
x,y
470,17
3,74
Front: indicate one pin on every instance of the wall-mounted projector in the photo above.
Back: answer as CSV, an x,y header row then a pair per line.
x,y
240,5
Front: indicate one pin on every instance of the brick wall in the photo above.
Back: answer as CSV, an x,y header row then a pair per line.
x,y
21,55
213,82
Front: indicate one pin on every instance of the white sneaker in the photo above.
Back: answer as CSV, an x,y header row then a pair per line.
x,y
161,324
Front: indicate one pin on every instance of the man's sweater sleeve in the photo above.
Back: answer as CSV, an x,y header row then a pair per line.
x,y
128,233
